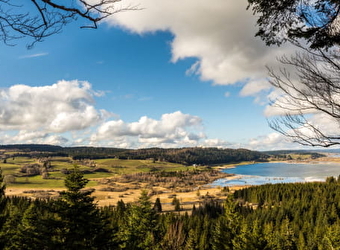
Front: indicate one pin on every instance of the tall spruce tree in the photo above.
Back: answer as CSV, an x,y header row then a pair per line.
x,y
82,224
2,199
139,229
157,206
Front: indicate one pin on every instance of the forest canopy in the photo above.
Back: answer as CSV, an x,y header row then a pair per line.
x,y
186,156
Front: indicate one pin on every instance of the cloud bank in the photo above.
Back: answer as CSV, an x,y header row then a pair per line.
x,y
172,129
220,36
63,106
65,113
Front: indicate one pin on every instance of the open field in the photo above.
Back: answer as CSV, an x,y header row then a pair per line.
x,y
93,169
107,198
115,179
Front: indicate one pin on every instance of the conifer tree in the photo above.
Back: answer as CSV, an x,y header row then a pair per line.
x,y
138,232
190,242
2,199
157,206
82,224
227,227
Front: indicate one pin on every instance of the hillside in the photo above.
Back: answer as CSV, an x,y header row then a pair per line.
x,y
185,156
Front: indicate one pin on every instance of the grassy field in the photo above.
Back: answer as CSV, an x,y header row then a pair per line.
x,y
113,167
118,166
38,187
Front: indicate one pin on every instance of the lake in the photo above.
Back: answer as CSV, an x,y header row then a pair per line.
x,y
279,172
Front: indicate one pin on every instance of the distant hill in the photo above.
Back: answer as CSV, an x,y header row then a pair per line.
x,y
32,147
187,156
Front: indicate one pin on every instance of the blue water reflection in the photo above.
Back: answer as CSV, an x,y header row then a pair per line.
x,y
262,173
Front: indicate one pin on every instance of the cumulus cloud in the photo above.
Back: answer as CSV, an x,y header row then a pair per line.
x,y
272,141
323,122
219,35
63,106
327,124
217,143
253,87
171,129
39,137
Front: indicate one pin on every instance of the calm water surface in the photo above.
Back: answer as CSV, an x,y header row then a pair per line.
x,y
262,173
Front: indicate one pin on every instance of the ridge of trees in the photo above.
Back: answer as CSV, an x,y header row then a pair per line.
x,y
186,156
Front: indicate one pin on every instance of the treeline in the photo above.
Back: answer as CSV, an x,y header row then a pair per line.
x,y
281,216
286,154
186,156
200,156
292,216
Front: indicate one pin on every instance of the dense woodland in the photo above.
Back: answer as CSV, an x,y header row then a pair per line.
x,y
281,216
186,156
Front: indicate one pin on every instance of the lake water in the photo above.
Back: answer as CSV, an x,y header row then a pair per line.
x,y
262,173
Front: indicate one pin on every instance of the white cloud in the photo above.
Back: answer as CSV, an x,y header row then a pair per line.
x,y
272,141
219,35
254,87
63,106
34,55
327,124
172,129
39,137
323,122
217,143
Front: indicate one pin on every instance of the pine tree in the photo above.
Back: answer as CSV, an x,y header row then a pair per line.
x,y
138,232
82,224
227,227
158,206
3,200
190,242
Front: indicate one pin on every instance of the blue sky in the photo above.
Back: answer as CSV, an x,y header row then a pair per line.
x,y
171,75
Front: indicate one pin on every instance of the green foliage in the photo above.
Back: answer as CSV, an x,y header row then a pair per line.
x,y
295,216
139,229
75,181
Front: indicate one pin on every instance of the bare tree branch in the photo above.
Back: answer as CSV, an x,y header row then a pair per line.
x,y
314,88
39,19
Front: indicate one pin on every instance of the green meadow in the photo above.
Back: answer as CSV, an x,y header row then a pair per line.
x,y
56,172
